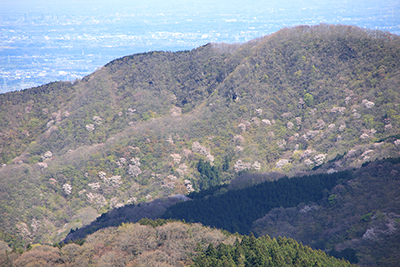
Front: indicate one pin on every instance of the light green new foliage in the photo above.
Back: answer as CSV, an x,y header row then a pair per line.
x,y
129,117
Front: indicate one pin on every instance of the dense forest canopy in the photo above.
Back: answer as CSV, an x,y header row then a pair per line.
x,y
311,100
236,210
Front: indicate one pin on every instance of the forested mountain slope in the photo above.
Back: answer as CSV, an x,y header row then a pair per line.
x,y
323,97
236,210
172,244
352,214
355,212
233,210
360,217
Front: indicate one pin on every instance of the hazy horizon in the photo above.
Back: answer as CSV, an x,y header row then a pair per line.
x,y
43,41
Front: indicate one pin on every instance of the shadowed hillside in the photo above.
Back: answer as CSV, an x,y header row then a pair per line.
x,y
351,214
149,126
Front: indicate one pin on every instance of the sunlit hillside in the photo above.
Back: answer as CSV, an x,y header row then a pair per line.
x,y
149,126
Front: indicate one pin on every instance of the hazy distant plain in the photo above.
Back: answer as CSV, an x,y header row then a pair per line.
x,y
41,41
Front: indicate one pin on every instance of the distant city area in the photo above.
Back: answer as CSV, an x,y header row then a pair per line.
x,y
39,46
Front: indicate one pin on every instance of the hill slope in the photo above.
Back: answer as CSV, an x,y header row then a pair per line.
x,y
172,244
351,214
322,98
360,216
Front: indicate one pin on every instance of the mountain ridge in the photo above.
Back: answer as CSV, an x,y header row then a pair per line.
x,y
309,97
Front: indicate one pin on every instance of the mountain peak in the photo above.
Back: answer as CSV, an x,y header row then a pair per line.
x,y
310,98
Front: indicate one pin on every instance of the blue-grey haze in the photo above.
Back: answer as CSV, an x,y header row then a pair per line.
x,y
43,41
